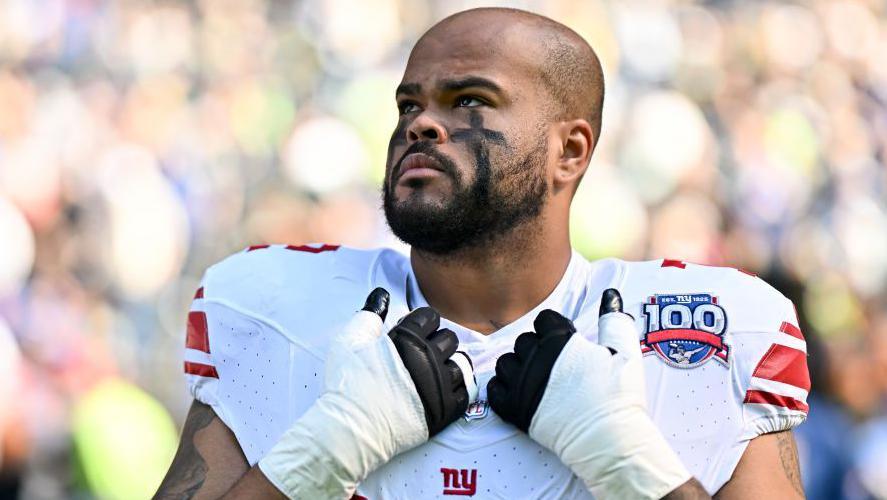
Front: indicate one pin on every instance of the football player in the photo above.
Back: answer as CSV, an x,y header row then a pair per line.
x,y
605,379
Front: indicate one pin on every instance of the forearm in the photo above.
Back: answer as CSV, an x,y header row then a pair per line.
x,y
691,490
371,408
208,461
305,462
253,485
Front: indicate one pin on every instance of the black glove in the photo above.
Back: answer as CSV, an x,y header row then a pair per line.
x,y
425,351
521,376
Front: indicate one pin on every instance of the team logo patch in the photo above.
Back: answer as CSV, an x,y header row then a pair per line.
x,y
685,330
477,410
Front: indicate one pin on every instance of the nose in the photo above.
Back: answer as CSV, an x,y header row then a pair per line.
x,y
426,128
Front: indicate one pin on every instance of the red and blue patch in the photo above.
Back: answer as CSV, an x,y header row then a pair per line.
x,y
685,330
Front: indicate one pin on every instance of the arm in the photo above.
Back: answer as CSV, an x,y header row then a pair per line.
x,y
768,469
383,394
254,485
208,462
691,490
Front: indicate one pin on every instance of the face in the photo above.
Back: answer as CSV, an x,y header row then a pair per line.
x,y
467,160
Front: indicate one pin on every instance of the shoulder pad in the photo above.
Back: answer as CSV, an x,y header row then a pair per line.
x,y
258,328
767,351
754,304
261,278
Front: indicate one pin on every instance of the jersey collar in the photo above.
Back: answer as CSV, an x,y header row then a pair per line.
x,y
567,298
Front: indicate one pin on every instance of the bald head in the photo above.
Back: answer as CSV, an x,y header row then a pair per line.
x,y
500,110
565,63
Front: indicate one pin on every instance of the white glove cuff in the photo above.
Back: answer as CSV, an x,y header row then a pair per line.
x,y
616,449
369,412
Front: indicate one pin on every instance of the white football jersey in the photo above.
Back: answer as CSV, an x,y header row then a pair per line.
x,y
724,362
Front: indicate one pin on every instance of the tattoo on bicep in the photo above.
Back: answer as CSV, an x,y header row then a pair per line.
x,y
188,470
788,456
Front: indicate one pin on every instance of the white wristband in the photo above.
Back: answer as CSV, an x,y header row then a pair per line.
x,y
592,416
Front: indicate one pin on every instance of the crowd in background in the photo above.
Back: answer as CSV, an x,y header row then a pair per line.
x,y
141,141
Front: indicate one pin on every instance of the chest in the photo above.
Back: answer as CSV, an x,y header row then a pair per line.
x,y
479,455
482,456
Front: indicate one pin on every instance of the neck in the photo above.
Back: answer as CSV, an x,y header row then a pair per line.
x,y
488,287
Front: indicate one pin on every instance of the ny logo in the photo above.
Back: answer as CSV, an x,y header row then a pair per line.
x,y
457,481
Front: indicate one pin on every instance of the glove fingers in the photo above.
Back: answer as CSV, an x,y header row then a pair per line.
x,y
497,395
421,322
616,330
366,325
611,301
615,327
377,302
549,322
525,345
462,402
454,374
508,368
446,341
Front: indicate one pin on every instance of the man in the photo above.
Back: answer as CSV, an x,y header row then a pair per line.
x,y
499,115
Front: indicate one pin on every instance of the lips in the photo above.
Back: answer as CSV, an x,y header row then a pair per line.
x,y
417,161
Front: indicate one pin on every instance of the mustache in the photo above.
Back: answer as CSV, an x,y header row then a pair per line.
x,y
447,165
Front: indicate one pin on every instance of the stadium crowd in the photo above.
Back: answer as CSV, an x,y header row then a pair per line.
x,y
141,141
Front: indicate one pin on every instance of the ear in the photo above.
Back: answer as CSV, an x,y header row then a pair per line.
x,y
577,144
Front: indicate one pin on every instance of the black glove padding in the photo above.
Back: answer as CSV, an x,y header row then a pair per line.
x,y
425,352
521,376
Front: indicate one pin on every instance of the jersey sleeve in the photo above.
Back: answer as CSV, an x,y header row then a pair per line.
x,y
773,380
238,365
258,331
200,368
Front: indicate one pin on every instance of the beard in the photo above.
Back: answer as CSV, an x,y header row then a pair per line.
x,y
499,200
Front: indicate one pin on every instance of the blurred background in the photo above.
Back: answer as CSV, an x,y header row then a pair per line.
x,y
141,141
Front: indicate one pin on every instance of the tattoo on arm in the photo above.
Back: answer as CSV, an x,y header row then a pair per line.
x,y
788,456
187,473
691,490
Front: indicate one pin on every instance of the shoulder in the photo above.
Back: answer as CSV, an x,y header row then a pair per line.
x,y
750,326
269,298
750,302
678,272
259,277
259,325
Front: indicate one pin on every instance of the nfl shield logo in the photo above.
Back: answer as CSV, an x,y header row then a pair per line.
x,y
477,410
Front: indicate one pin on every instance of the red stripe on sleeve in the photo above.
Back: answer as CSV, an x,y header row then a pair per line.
x,y
201,369
768,398
673,263
791,329
256,247
784,364
198,333
199,293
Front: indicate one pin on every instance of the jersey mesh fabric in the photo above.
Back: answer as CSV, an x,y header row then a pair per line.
x,y
268,337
